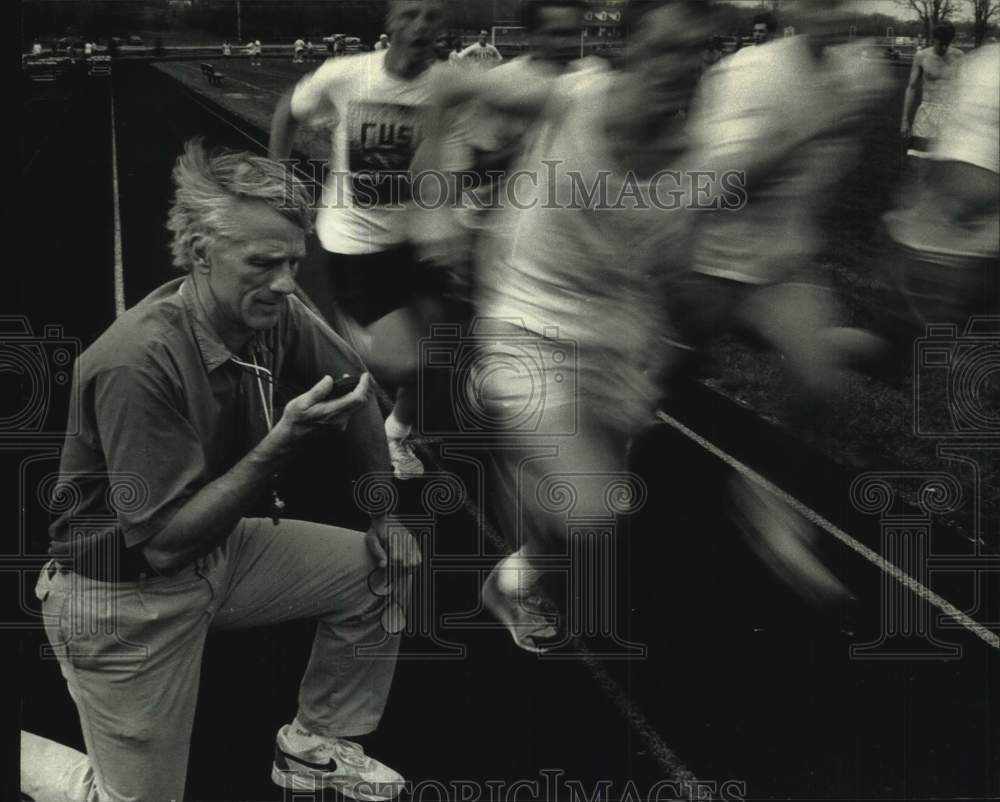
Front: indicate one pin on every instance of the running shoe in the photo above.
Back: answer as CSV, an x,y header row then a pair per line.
x,y
405,463
307,762
513,593
785,542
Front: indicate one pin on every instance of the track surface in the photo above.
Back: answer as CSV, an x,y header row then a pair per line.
x,y
742,681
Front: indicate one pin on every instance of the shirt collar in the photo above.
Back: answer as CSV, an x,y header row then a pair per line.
x,y
214,352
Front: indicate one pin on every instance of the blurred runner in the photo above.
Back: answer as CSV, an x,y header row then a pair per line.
x,y
497,139
570,330
787,116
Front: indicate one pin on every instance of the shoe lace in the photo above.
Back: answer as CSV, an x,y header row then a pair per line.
x,y
352,753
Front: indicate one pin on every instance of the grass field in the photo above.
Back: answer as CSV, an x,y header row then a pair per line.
x,y
251,92
868,425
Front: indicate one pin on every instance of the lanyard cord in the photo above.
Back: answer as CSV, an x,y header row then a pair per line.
x,y
266,399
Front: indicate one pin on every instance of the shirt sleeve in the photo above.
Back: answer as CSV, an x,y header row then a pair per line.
x,y
314,97
145,436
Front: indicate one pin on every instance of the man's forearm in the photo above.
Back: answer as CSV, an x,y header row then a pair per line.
x,y
283,129
210,515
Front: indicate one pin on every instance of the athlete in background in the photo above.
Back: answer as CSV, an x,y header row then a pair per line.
x,y
481,52
946,261
929,94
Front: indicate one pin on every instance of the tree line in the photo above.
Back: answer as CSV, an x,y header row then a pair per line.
x,y
272,20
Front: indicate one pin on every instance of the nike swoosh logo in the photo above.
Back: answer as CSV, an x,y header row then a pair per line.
x,y
330,765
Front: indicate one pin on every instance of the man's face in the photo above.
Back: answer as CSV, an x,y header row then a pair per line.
x,y
666,61
557,37
483,38
825,21
940,47
414,25
760,33
253,265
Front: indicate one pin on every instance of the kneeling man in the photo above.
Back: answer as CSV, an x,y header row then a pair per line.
x,y
176,403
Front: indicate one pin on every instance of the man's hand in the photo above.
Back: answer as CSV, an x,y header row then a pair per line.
x,y
313,409
904,130
393,545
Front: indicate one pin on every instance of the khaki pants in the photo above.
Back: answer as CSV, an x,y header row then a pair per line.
x,y
131,652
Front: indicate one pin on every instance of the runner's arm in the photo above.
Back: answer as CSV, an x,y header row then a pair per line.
x,y
912,100
284,127
309,100
521,98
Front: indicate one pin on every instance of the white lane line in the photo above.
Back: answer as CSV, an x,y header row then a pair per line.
x,y
119,268
667,759
230,123
923,592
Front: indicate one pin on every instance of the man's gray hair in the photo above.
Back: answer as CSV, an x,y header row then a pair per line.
x,y
208,184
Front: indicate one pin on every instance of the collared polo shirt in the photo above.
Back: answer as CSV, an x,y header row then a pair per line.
x,y
159,409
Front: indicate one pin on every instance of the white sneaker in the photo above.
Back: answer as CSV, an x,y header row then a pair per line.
x,y
405,463
307,762
512,593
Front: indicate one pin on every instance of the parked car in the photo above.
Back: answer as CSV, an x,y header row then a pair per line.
x,y
352,44
135,41
896,55
68,42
